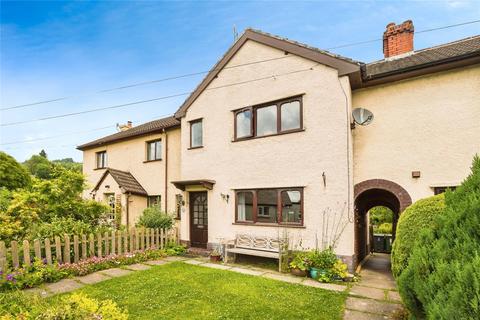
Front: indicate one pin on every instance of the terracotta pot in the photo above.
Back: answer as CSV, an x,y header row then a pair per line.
x,y
215,258
299,273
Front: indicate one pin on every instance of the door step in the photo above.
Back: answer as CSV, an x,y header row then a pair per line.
x,y
198,252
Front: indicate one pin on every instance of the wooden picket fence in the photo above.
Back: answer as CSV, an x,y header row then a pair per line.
x,y
68,249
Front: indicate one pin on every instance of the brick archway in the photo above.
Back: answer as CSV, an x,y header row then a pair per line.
x,y
402,195
372,193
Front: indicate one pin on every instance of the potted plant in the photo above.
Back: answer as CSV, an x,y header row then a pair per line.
x,y
322,263
215,255
300,264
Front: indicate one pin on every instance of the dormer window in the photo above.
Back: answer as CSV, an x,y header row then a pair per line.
x,y
101,159
278,117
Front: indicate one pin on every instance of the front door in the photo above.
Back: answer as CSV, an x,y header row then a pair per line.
x,y
198,219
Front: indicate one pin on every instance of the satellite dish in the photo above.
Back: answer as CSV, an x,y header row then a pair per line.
x,y
362,116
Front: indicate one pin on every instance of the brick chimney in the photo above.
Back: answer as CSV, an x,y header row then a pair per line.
x,y
125,127
398,39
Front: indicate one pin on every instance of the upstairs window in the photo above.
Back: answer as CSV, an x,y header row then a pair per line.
x,y
268,119
101,159
196,134
154,150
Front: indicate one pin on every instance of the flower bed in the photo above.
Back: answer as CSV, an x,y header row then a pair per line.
x,y
40,272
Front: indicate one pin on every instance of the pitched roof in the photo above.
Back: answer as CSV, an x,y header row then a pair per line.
x,y
154,126
342,64
125,180
457,50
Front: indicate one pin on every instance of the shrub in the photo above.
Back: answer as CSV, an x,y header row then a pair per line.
x,y
324,259
19,305
384,228
300,261
154,217
442,279
420,215
59,227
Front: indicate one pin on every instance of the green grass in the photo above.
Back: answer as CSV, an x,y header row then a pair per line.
x,y
183,291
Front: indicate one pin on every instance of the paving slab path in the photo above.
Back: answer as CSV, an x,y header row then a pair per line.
x,y
375,295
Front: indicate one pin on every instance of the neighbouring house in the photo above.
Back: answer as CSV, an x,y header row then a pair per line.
x,y
266,144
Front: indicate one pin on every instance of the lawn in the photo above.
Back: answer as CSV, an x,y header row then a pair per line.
x,y
182,291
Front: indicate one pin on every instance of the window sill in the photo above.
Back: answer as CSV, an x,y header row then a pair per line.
x,y
262,224
191,148
100,168
146,161
268,135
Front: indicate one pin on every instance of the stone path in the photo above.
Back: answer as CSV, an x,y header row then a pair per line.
x,y
267,273
67,285
375,295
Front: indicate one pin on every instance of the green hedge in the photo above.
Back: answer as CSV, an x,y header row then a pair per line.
x,y
442,279
418,216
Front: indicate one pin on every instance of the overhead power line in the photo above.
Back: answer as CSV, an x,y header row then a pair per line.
x,y
204,72
416,32
73,132
273,76
138,84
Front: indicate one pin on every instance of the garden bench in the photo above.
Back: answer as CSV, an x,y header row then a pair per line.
x,y
255,246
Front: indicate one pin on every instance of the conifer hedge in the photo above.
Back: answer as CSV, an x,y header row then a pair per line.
x,y
442,276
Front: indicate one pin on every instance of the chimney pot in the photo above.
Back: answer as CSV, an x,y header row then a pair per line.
x,y
398,39
129,123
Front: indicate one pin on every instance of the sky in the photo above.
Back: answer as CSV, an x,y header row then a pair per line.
x,y
51,50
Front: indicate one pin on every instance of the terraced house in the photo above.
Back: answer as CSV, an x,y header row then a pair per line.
x,y
267,145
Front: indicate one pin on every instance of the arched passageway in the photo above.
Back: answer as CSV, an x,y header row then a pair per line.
x,y
372,193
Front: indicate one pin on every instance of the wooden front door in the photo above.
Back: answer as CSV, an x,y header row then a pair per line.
x,y
198,219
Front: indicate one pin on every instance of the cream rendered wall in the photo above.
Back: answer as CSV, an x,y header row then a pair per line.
x,y
130,155
296,159
430,124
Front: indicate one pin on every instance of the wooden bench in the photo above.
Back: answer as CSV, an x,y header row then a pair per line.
x,y
255,246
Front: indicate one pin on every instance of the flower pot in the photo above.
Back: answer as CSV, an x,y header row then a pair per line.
x,y
215,258
299,273
315,273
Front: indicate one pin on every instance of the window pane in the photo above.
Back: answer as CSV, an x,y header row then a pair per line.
x,y
104,159
266,120
158,150
290,115
292,206
196,132
244,206
151,151
244,124
267,206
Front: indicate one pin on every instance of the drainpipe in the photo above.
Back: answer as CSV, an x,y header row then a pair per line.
x,y
128,211
166,170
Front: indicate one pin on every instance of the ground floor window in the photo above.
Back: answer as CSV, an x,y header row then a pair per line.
x,y
438,190
279,205
154,201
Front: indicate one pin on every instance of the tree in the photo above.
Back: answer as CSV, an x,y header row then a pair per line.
x,y
12,174
39,167
47,200
442,279
69,164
